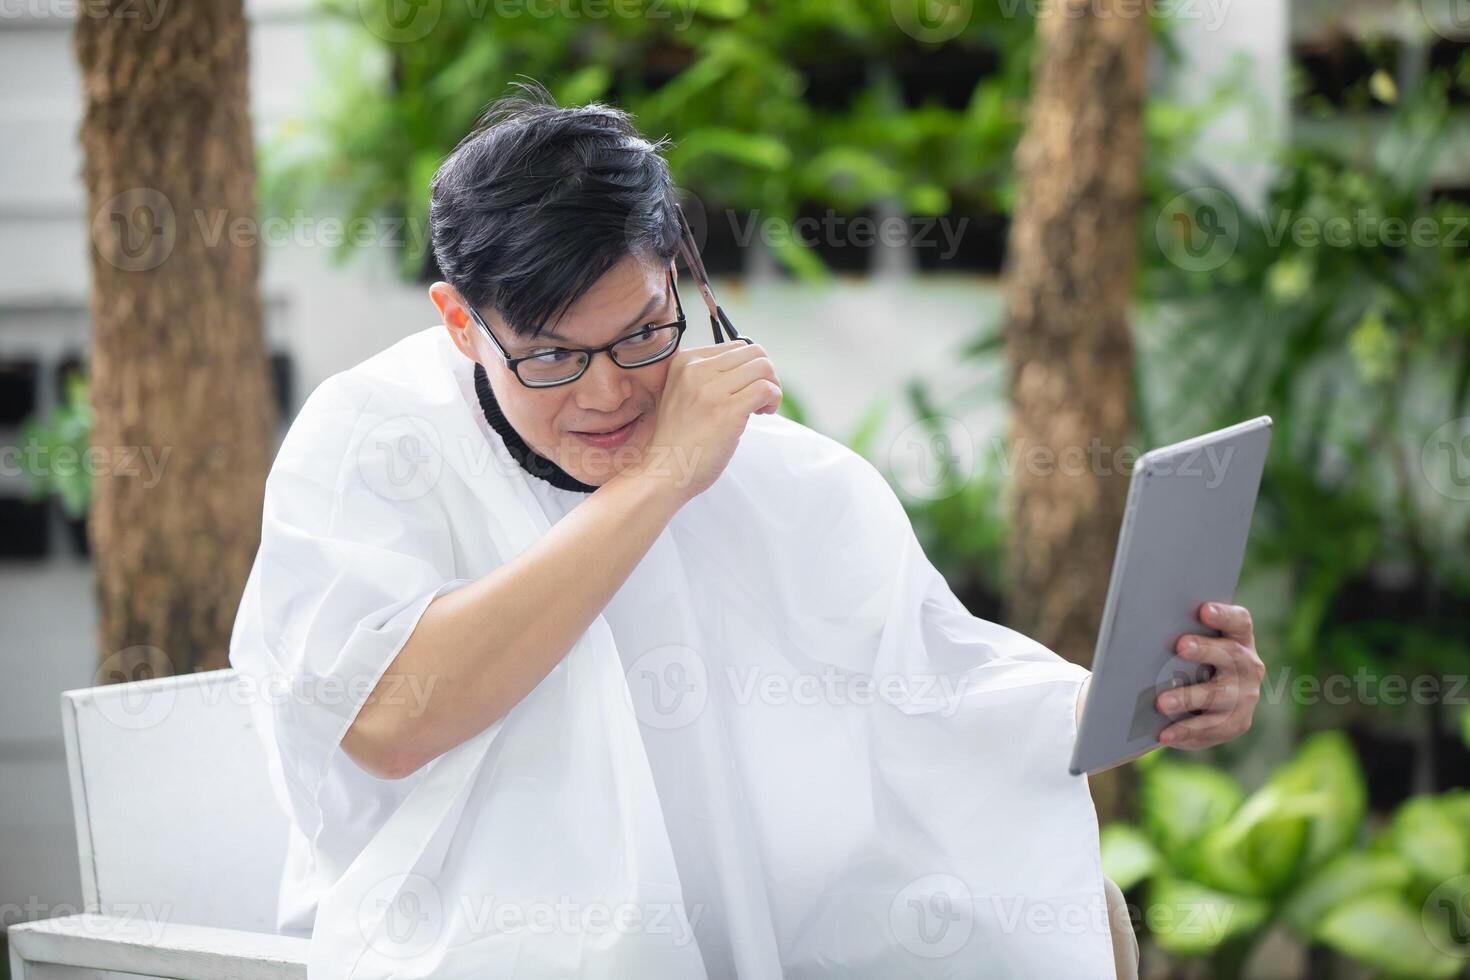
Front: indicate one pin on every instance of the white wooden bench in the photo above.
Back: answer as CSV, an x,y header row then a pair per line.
x,y
185,886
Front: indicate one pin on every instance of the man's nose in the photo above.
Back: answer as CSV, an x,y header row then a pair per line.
x,y
604,386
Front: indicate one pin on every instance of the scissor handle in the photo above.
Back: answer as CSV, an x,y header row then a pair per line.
x,y
721,325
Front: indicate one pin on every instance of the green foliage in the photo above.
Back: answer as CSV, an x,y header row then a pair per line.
x,y
732,83
964,532
1219,866
860,439
57,447
1344,312
1131,854
1190,919
961,521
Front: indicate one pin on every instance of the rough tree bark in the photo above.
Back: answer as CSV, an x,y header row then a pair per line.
x,y
178,367
1070,276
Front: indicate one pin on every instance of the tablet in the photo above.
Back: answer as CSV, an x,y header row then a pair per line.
x,y
1181,545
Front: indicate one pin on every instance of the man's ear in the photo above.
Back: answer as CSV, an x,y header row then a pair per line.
x,y
456,315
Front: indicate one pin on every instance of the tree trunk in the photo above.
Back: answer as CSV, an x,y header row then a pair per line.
x,y
180,388
1070,278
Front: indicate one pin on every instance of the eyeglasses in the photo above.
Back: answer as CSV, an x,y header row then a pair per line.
x,y
563,365
650,344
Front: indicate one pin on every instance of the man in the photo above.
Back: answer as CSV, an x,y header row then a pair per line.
x,y
597,666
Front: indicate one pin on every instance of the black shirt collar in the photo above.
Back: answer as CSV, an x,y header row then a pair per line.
x,y
531,461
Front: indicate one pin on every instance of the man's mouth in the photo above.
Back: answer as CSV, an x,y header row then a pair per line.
x,y
607,431
609,438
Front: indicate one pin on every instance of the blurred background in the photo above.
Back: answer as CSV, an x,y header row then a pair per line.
x,y
998,248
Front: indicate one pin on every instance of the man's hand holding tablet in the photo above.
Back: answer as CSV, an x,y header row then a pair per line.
x,y
1158,678
1222,707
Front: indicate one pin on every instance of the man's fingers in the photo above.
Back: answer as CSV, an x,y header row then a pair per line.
x,y
1218,651
758,396
1203,731
1213,695
722,356
1234,621
1225,704
743,374
1224,653
733,353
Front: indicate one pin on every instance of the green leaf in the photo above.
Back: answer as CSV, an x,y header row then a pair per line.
x,y
751,149
61,442
586,84
1456,803
1188,919
1260,848
1348,876
1387,931
1288,280
1327,764
852,175
926,199
1429,837
1127,855
1182,802
1308,810
1374,349
863,435
799,259
725,9
793,407
1383,87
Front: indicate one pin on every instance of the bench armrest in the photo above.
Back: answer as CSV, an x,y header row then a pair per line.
x,y
161,949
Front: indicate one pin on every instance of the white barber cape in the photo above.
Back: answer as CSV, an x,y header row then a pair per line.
x,y
785,749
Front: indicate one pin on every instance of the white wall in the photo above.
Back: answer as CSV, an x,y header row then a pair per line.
x,y
1223,40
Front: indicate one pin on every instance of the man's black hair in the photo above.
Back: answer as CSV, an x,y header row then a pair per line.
x,y
541,201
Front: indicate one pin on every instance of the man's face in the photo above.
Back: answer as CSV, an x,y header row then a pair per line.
x,y
562,422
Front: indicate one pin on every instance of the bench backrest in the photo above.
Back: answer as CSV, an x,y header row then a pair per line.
x,y
174,810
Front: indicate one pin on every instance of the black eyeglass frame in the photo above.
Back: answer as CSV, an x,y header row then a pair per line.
x,y
514,362
718,319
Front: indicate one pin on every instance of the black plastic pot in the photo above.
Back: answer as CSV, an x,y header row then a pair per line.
x,y
17,390
81,544
25,529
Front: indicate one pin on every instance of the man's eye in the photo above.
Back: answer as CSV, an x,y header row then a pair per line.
x,y
553,356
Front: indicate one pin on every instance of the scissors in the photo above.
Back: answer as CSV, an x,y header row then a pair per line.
x,y
719,321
